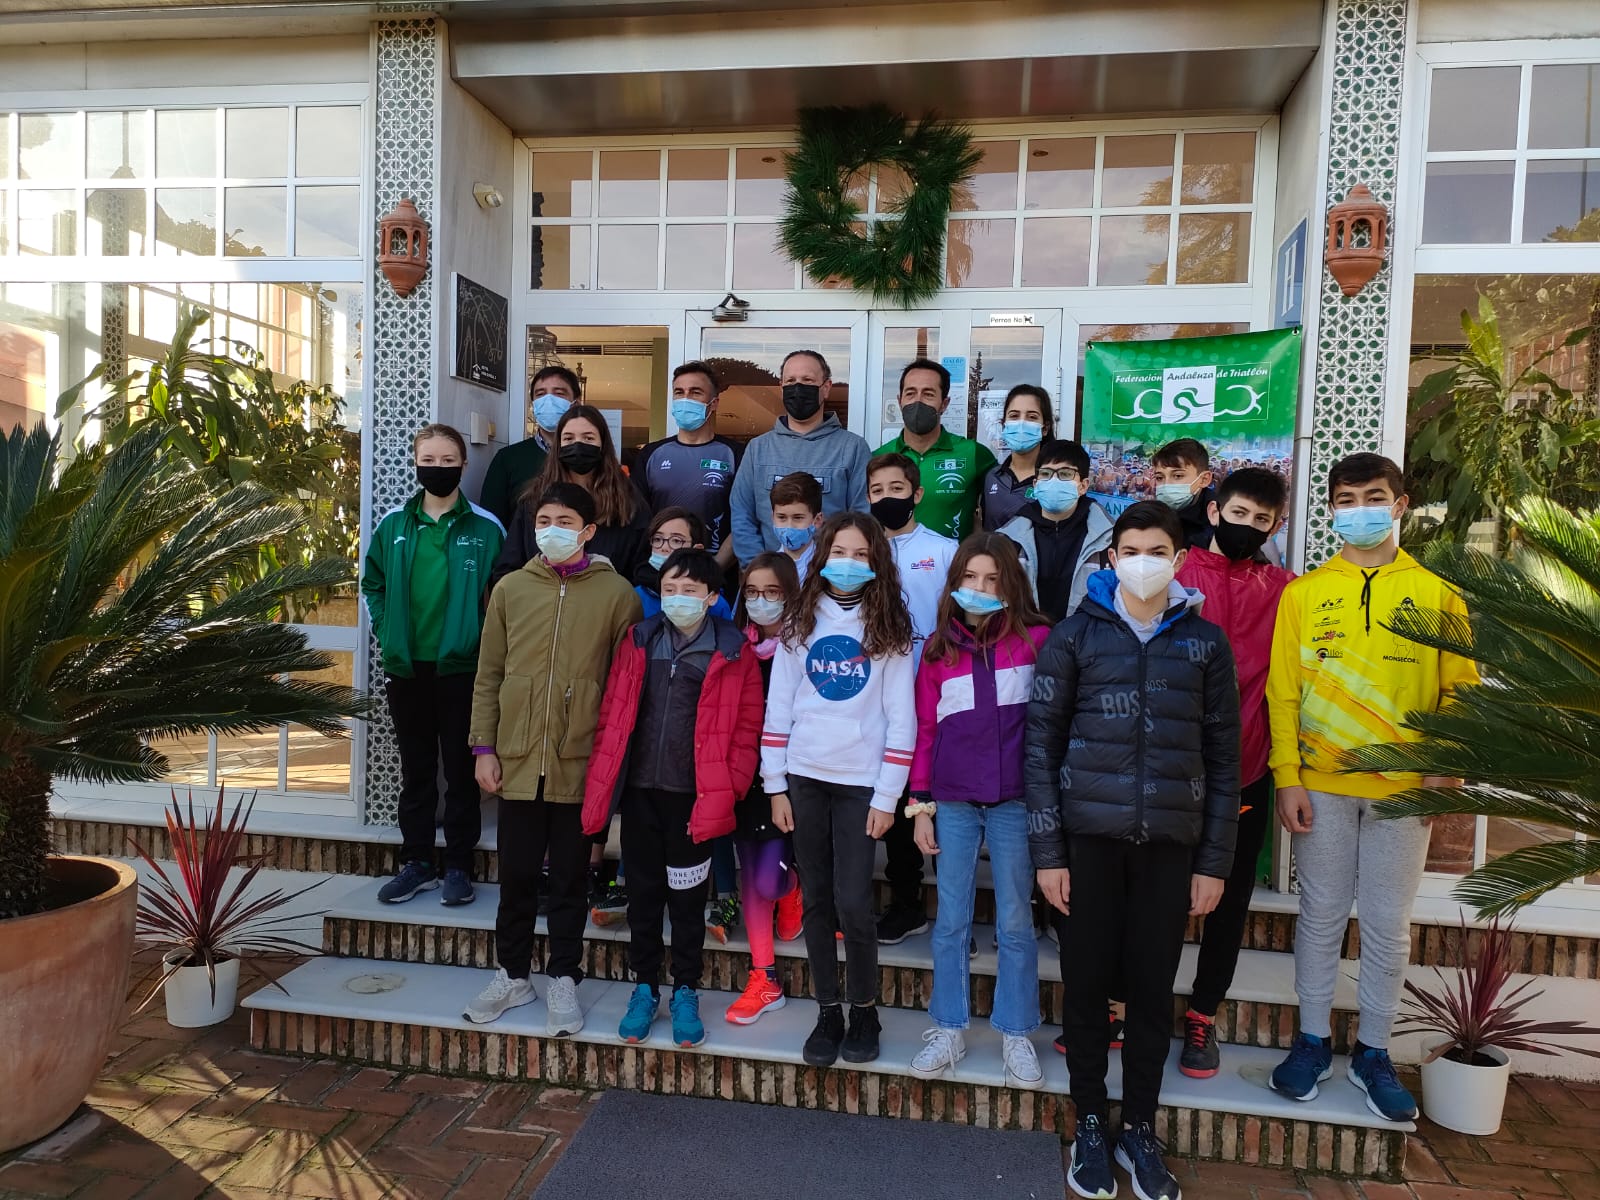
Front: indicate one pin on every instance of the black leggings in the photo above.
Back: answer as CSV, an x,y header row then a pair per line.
x,y
835,859
1224,928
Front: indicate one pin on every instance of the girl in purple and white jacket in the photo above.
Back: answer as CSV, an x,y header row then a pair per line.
x,y
966,790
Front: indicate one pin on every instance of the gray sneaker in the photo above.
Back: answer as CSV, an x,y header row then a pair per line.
x,y
561,999
502,993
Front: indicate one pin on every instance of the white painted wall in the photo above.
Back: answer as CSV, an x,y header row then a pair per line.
x,y
1300,139
1506,20
220,62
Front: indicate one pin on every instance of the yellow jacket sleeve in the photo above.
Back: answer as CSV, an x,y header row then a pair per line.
x,y
1454,670
1283,692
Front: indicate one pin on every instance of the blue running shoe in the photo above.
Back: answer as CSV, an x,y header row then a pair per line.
x,y
414,877
687,1029
1310,1061
1090,1174
457,888
1139,1154
1373,1073
641,1014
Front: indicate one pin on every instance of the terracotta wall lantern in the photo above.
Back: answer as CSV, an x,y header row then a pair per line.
x,y
403,247
1358,239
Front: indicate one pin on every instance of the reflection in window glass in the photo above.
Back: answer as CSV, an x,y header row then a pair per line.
x,y
327,142
326,220
1561,202
119,145
994,185
49,147
560,258
1467,202
1474,108
759,262
5,148
47,222
1564,110
1061,172
186,143
630,184
901,344
998,360
697,183
894,188
696,257
627,257
561,184
1213,247
747,361
257,143
1138,170
186,221
979,253
758,184
624,369
1133,251
1055,251
256,220
5,223
1219,168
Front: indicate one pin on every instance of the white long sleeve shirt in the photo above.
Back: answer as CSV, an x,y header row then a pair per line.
x,y
923,558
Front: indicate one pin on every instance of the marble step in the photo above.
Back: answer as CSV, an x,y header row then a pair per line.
x,y
408,1015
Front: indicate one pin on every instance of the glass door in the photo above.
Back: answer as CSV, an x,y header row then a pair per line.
x,y
1006,348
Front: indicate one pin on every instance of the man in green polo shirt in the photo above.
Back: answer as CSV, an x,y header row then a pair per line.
x,y
952,467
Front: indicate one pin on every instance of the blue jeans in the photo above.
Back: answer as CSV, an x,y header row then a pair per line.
x,y
961,828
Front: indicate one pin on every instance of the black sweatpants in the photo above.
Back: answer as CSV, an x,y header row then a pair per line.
x,y
666,874
835,857
530,829
1224,928
1128,905
903,868
431,713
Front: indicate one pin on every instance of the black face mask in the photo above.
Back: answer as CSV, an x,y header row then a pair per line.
x,y
801,400
1239,542
893,512
439,481
920,419
581,458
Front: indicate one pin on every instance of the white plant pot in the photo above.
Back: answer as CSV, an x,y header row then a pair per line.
x,y
1465,1098
190,1004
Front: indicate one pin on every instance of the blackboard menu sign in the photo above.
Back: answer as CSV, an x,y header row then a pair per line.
x,y
482,329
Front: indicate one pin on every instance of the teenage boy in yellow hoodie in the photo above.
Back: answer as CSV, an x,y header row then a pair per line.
x,y
1339,679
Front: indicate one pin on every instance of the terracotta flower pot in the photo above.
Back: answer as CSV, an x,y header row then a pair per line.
x,y
63,981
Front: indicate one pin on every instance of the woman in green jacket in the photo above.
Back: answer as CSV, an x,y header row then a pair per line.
x,y
425,581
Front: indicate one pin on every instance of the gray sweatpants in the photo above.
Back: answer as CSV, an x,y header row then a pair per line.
x,y
1352,855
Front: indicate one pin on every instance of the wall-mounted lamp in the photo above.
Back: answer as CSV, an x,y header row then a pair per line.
x,y
487,195
1358,237
731,308
403,247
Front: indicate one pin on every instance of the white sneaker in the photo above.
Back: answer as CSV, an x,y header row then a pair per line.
x,y
945,1048
502,993
561,999
1022,1064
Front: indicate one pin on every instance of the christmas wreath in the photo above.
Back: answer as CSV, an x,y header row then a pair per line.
x,y
898,257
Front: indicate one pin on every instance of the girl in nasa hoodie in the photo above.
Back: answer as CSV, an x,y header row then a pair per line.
x,y
835,753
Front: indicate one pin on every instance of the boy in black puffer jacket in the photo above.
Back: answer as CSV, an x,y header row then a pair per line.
x,y
1132,777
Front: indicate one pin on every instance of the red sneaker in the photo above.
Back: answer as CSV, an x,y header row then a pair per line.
x,y
791,909
762,994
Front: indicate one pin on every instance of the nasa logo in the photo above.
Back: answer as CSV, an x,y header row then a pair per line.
x,y
837,667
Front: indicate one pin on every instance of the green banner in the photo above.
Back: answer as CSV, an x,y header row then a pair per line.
x,y
1235,394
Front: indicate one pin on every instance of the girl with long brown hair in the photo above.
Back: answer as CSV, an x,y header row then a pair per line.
x,y
835,752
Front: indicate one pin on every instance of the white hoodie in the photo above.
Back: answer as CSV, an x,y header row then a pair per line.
x,y
836,715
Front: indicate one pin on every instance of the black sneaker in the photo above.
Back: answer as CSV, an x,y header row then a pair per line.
x,y
1139,1154
457,888
1200,1058
900,922
1090,1172
861,1043
414,877
822,1047
609,906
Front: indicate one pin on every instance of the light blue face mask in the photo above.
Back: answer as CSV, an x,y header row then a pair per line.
x,y
1056,495
548,410
975,603
848,575
1174,495
792,538
1364,527
683,611
1021,435
689,414
656,560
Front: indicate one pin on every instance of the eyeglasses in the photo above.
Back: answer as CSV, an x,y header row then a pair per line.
x,y
1064,473
663,542
775,594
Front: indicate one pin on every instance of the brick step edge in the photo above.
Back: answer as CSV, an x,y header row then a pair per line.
x,y
1239,1022
1188,1133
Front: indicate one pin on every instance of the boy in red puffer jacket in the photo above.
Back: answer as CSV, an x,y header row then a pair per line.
x,y
678,743
1241,592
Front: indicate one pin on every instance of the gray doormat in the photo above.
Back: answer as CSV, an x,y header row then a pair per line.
x,y
684,1148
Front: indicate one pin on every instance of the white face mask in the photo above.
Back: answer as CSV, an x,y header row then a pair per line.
x,y
1145,575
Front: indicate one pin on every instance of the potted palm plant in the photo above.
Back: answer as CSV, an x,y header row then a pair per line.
x,y
207,921
1475,1020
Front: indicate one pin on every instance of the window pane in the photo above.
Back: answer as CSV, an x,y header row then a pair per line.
x,y
327,221
759,262
49,147
894,187
628,257
1061,172
1559,196
758,184
561,184
560,258
327,142
696,257
1467,202
1565,108
316,763
1055,251
1474,108
186,143
1219,168
255,218
630,184
257,143
901,344
5,223
47,222
5,147
1138,170
186,221
1133,250
994,186
1214,248
979,253
116,222
119,145
697,183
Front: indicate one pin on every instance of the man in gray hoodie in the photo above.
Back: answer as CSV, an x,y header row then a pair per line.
x,y
806,439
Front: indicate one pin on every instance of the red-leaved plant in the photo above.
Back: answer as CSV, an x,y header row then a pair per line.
x,y
204,919
1476,1011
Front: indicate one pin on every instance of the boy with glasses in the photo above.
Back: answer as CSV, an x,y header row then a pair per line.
x,y
1061,536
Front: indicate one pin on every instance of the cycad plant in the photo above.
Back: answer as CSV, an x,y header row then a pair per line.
x,y
116,627
1527,739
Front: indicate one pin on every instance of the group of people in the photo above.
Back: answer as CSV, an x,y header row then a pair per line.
x,y
927,648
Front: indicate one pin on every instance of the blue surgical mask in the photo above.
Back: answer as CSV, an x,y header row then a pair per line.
x,y
975,603
1364,527
1056,495
848,575
1174,495
792,538
548,410
763,611
1021,435
656,560
689,414
557,543
683,611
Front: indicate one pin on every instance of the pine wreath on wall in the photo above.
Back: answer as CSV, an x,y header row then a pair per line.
x,y
898,258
